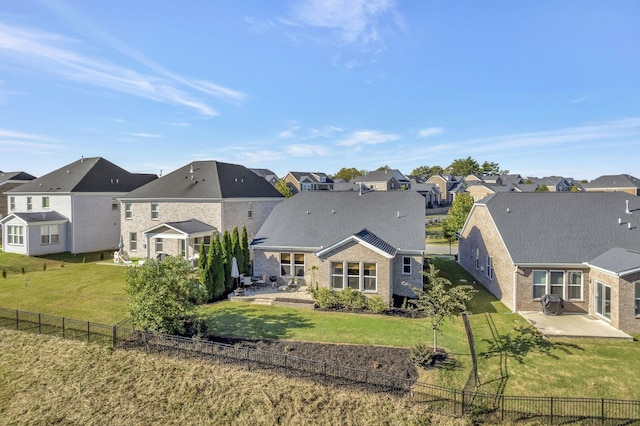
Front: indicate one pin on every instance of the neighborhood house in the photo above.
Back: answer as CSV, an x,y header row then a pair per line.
x,y
583,247
372,242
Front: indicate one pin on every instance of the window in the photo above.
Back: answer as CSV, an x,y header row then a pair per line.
x,y
575,285
490,267
602,300
353,275
250,211
133,241
369,271
556,283
128,210
29,204
406,265
337,275
114,205
12,203
539,284
155,210
292,263
477,259
49,234
15,235
45,202
298,264
158,245
285,264
637,299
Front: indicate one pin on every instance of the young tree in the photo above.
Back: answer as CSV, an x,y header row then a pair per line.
x,y
440,300
457,216
163,293
283,188
244,241
348,173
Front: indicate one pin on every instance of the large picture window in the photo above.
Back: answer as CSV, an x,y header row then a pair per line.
x,y
49,234
15,235
359,276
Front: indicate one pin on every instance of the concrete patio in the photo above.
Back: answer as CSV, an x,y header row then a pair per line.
x,y
268,295
573,325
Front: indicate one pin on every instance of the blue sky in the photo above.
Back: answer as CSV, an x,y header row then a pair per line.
x,y
540,87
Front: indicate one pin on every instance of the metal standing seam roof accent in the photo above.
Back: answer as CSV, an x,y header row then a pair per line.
x,y
372,239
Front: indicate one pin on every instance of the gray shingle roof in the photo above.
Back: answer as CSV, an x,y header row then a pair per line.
x,y
40,217
618,260
15,176
86,175
548,227
614,181
319,219
207,180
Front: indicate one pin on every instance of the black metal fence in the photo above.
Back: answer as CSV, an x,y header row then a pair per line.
x,y
491,408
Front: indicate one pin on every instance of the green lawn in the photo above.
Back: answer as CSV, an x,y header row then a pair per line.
x,y
511,356
70,286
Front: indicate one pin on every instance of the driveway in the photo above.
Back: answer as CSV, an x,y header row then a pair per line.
x,y
573,325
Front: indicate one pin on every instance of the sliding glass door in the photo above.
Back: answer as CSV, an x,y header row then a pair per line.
x,y
602,300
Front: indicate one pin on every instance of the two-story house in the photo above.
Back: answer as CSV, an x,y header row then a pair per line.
x,y
72,209
308,181
8,181
384,180
182,210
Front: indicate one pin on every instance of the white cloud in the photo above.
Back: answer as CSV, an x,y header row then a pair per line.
x,y
431,131
11,140
146,135
302,150
52,53
368,137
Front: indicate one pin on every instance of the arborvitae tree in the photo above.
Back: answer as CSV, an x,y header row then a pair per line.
x,y
227,251
244,242
236,246
206,274
217,270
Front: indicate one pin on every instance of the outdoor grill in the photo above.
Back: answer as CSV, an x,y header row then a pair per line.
x,y
552,304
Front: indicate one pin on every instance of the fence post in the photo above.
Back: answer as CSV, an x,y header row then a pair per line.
x,y
39,323
115,336
455,400
551,409
501,408
17,320
88,333
462,396
63,330
602,410
248,360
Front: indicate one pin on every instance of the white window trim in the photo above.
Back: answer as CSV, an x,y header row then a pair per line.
x,y
345,276
410,265
636,298
155,213
128,211
565,285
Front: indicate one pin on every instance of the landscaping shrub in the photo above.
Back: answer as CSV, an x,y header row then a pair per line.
x,y
376,305
425,356
325,298
351,299
4,273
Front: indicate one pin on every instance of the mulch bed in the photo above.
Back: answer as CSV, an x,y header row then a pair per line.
x,y
383,359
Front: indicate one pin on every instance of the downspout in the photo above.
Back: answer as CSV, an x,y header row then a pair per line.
x,y
515,288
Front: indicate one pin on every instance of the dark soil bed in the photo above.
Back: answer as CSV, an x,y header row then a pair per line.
x,y
383,359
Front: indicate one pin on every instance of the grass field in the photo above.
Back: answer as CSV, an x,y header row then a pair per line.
x,y
46,381
515,361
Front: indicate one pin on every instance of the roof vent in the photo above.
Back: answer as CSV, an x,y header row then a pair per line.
x,y
68,171
308,212
629,225
508,210
333,212
626,210
398,213
619,221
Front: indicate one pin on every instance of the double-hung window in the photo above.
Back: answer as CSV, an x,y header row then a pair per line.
x,y
45,203
29,204
337,275
49,234
133,241
128,210
353,275
489,267
159,246
574,290
292,263
406,265
370,277
12,203
155,211
556,283
539,284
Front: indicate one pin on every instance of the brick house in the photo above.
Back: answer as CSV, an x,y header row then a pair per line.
x,y
372,241
583,247
178,212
